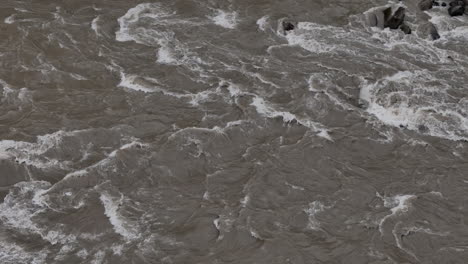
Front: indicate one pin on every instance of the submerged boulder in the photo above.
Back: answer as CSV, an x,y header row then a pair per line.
x,y
456,10
405,28
425,4
429,30
286,24
458,3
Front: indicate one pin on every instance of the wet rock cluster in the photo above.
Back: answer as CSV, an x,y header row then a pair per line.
x,y
455,7
394,18
386,18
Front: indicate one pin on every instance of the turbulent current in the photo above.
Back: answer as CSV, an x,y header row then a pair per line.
x,y
200,131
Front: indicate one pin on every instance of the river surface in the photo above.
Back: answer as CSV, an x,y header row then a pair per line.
x,y
189,131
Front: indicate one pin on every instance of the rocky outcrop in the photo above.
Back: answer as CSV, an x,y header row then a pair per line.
x,y
419,19
395,20
386,18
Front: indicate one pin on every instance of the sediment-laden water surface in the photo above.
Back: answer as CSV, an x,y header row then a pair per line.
x,y
232,131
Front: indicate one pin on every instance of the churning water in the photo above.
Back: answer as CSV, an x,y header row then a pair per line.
x,y
187,131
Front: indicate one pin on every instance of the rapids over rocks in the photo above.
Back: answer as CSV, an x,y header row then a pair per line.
x,y
232,131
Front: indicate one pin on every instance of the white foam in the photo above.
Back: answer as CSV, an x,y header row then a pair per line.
x,y
165,55
224,224
117,249
225,19
201,97
449,28
234,90
132,144
154,15
460,33
147,85
33,153
64,252
83,254
95,26
245,201
312,37
99,257
121,227
86,175
403,106
295,187
91,237
426,231
78,77
322,82
397,237
398,204
17,213
130,82
154,25
132,16
151,85
255,234
314,208
10,19
18,97
258,76
263,23
11,253
267,110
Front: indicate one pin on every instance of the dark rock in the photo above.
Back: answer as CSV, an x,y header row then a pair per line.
x,y
457,10
429,30
425,4
372,19
285,25
379,17
434,34
387,12
435,4
405,28
458,3
396,20
288,26
444,4
423,128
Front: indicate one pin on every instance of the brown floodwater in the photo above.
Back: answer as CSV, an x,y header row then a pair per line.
x,y
189,131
